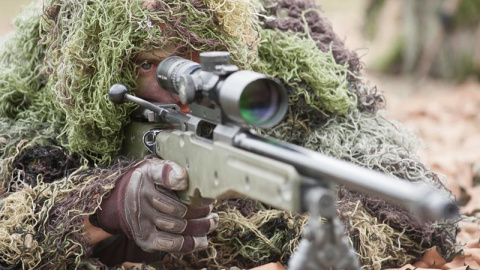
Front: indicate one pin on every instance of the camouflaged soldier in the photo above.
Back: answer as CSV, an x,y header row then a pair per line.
x,y
70,200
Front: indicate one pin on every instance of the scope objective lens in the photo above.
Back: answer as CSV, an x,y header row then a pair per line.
x,y
253,98
258,103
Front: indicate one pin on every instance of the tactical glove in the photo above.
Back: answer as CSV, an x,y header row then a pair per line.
x,y
143,206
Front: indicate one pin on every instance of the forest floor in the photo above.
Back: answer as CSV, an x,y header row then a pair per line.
x,y
446,117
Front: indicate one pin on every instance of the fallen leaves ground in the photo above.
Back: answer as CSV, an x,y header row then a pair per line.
x,y
447,118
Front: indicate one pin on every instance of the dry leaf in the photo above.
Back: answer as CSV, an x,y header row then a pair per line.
x,y
431,259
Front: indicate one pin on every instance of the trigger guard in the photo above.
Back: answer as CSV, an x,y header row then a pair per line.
x,y
150,138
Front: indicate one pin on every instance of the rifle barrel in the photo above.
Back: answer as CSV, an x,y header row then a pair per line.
x,y
423,200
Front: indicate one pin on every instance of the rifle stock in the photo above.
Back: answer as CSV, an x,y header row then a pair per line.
x,y
273,172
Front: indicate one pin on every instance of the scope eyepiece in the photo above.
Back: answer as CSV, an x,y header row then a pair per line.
x,y
170,71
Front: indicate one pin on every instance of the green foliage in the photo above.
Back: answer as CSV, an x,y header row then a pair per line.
x,y
21,58
297,61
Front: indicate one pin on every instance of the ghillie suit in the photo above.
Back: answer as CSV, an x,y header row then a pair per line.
x,y
54,76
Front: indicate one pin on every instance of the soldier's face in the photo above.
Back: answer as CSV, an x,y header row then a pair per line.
x,y
148,87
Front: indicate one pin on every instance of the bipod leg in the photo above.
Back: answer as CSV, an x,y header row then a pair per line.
x,y
324,245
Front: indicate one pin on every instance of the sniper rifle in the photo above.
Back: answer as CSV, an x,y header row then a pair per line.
x,y
225,158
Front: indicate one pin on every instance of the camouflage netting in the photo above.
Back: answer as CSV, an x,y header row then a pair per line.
x,y
293,16
250,234
56,121
42,226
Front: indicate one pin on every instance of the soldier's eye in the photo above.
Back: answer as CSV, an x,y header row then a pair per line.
x,y
146,65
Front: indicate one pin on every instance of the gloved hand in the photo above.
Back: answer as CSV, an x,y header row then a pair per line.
x,y
143,206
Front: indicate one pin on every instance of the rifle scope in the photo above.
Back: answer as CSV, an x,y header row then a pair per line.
x,y
243,96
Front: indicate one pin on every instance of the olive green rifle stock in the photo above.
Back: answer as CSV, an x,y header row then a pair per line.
x,y
239,164
219,171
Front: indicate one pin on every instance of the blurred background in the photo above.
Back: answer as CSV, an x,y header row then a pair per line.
x,y
424,55
8,10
